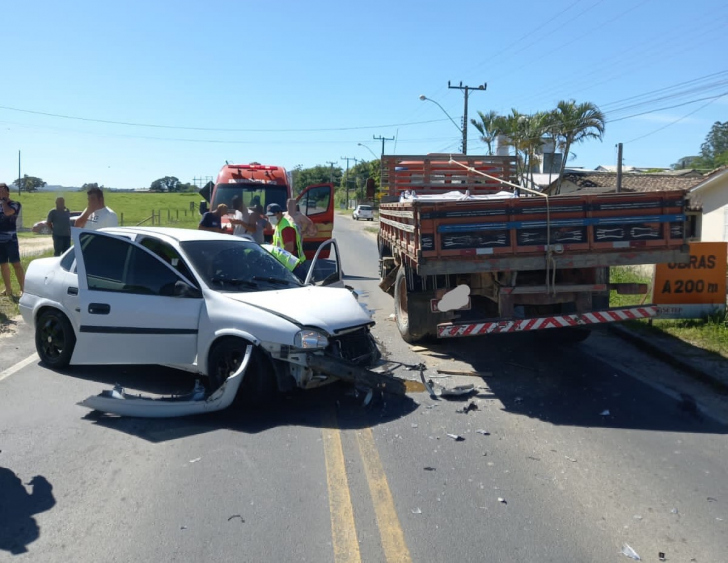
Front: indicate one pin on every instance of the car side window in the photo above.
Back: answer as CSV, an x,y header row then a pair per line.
x,y
169,254
115,265
315,201
68,258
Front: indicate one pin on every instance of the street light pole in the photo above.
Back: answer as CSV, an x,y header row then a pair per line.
x,y
367,148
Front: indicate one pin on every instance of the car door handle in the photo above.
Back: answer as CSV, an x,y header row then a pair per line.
x,y
72,291
99,308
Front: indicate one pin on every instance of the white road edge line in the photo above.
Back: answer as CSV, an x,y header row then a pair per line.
x,y
20,365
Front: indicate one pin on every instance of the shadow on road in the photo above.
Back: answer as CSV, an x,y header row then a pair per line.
x,y
566,386
18,528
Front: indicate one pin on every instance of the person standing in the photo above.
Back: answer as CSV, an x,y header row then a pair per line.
x,y
212,220
240,220
287,237
9,248
261,223
59,222
96,215
306,227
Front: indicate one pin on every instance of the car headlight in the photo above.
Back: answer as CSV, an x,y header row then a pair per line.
x,y
310,339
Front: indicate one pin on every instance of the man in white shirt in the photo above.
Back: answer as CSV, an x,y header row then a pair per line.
x,y
240,219
96,215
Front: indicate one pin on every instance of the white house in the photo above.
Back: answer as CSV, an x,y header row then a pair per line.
x,y
711,194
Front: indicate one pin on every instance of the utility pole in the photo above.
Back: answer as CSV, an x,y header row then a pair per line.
x,y
381,158
619,167
467,90
20,180
331,174
346,176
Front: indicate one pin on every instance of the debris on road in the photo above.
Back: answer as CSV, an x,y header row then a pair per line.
x,y
456,437
711,499
605,412
483,432
674,511
631,553
661,556
242,520
195,460
471,406
465,372
416,511
428,468
502,500
571,459
391,317
457,391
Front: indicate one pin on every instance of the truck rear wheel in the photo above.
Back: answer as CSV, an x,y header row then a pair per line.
x,y
409,310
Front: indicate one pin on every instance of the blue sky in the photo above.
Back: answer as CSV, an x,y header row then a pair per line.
x,y
293,82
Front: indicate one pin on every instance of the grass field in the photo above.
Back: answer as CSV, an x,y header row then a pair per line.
x,y
174,210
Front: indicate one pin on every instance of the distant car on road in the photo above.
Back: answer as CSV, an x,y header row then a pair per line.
x,y
194,300
43,228
363,212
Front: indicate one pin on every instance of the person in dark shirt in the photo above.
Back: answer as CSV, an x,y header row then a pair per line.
x,y
9,249
212,220
59,221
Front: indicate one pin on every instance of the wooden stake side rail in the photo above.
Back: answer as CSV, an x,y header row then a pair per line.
x,y
435,174
619,225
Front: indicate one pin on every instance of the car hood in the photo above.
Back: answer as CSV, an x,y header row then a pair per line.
x,y
330,309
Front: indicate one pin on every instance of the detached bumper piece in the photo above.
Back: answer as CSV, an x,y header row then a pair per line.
x,y
120,403
355,374
453,330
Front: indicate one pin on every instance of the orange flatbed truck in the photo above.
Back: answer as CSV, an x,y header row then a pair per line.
x,y
265,184
494,259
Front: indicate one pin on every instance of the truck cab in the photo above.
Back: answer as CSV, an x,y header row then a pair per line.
x,y
259,184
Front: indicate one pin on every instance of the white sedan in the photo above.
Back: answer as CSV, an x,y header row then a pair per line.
x,y
194,300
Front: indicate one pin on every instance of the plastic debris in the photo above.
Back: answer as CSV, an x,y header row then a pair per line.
x,y
571,459
631,553
661,556
237,516
637,517
456,437
195,460
674,511
416,511
428,468
391,317
457,391
483,432
502,500
471,406
605,412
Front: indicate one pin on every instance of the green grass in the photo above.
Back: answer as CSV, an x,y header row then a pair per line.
x,y
710,333
9,305
132,207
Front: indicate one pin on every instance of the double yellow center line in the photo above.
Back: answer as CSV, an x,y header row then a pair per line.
x,y
343,528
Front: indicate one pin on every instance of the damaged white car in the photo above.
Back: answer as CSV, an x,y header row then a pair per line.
x,y
197,301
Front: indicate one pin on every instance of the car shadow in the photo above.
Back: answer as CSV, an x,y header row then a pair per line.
x,y
564,385
18,528
298,408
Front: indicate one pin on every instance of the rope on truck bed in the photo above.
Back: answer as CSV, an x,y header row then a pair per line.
x,y
550,260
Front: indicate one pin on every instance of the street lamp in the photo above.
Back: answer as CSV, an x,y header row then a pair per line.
x,y
423,98
370,150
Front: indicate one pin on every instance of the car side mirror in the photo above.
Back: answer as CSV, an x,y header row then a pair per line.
x,y
181,289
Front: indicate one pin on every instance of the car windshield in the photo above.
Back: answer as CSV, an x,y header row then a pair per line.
x,y
237,265
251,194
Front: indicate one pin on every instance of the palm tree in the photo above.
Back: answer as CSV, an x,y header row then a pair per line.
x,y
524,133
577,122
488,128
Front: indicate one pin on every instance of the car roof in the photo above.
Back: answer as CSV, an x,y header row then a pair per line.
x,y
180,235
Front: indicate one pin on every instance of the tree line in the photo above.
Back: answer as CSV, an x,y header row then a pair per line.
x,y
166,184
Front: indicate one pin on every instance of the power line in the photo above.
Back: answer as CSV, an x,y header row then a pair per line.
x,y
214,129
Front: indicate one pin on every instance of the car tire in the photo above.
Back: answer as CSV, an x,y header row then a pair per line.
x,y
259,381
54,339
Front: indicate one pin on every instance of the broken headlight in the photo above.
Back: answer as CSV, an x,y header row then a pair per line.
x,y
310,339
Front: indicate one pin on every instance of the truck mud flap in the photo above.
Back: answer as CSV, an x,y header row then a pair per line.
x,y
474,328
197,401
355,374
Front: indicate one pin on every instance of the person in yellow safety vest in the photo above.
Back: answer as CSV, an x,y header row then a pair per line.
x,y
287,237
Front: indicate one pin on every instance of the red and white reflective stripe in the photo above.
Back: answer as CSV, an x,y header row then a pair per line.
x,y
449,330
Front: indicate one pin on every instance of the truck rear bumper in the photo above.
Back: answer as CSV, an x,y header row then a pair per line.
x,y
453,330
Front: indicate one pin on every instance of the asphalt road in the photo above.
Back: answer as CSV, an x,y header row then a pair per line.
x,y
590,448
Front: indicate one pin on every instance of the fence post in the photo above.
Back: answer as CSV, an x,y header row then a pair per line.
x,y
122,218
178,215
169,215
